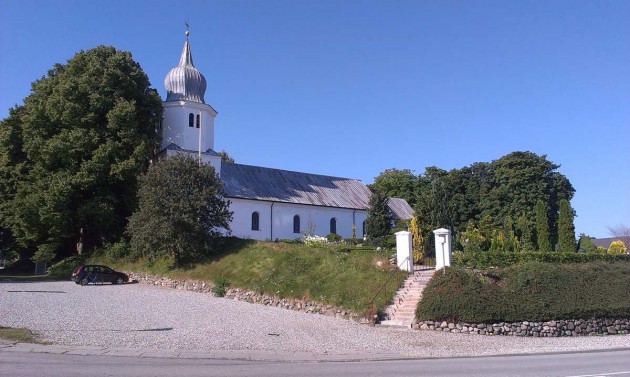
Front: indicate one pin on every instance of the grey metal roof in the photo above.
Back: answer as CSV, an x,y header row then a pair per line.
x,y
175,147
258,183
400,208
184,81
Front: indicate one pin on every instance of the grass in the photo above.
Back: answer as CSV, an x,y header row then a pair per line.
x,y
347,277
18,334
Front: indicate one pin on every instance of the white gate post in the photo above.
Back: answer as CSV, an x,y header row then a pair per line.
x,y
442,248
404,250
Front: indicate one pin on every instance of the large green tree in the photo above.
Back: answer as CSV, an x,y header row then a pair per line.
x,y
505,188
395,183
181,211
566,228
69,156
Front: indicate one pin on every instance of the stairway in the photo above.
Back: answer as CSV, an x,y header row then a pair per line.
x,y
402,311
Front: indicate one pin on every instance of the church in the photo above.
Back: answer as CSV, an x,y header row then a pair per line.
x,y
268,203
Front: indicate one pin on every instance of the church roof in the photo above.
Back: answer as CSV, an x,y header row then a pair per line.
x,y
184,81
259,183
400,208
175,147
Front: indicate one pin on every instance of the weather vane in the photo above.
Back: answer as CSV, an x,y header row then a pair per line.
x,y
187,28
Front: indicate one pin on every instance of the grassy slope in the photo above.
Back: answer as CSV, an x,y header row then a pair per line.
x,y
326,274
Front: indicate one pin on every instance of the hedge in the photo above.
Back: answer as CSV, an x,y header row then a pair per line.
x,y
485,259
532,291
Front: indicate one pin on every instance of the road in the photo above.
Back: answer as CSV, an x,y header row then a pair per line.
x,y
585,364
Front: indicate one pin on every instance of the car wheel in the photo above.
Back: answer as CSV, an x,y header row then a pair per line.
x,y
119,280
84,281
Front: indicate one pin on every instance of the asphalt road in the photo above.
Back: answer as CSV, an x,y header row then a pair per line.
x,y
585,364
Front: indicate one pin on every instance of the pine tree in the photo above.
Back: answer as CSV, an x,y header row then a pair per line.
x,y
542,227
525,233
566,229
379,218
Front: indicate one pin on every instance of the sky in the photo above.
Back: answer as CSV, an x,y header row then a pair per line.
x,y
351,88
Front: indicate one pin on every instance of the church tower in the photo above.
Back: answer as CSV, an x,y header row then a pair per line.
x,y
188,121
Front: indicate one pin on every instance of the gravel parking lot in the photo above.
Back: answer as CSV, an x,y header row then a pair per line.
x,y
140,316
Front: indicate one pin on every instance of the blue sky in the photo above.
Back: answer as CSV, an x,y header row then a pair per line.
x,y
351,88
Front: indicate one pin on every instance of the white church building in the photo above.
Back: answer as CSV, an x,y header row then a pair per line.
x,y
268,203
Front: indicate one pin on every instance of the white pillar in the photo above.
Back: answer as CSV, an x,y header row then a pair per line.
x,y
404,251
442,248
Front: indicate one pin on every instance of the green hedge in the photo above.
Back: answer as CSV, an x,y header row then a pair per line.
x,y
485,259
531,291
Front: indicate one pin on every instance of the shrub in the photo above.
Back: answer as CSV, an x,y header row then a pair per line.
x,y
65,267
533,291
333,237
314,241
220,286
617,247
485,259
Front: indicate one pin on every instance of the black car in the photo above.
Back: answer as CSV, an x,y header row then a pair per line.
x,y
93,273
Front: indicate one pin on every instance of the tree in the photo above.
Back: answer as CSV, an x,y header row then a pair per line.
x,y
586,244
394,183
225,157
542,227
566,229
472,239
70,155
509,186
619,230
617,247
379,218
181,211
525,233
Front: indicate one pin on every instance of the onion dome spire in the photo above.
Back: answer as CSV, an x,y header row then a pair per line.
x,y
184,81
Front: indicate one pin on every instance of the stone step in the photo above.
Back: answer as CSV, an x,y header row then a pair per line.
x,y
395,323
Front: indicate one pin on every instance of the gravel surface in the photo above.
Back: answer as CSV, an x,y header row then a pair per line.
x,y
140,316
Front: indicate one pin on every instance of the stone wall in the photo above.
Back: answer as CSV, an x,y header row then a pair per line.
x,y
572,327
237,294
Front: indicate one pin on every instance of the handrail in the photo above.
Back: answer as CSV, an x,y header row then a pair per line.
x,y
391,275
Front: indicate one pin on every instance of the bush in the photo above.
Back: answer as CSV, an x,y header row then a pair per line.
x,y
333,237
617,247
485,259
532,291
220,286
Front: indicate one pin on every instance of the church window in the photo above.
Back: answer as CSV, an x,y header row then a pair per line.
x,y
333,225
296,224
198,120
191,120
255,221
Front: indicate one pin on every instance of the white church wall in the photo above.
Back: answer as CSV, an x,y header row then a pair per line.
x,y
283,214
176,129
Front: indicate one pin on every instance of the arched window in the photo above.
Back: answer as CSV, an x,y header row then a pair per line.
x,y
198,120
255,221
191,120
296,224
333,225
